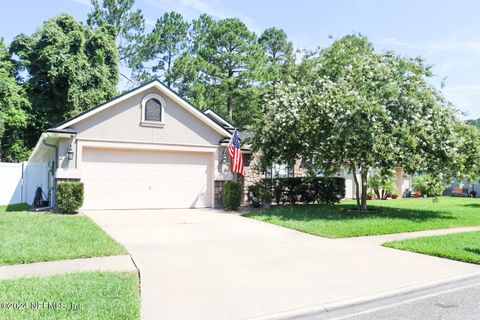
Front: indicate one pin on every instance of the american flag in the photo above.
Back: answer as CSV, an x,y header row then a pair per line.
x,y
236,154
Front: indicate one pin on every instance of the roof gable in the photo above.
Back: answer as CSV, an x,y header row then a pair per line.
x,y
152,84
218,119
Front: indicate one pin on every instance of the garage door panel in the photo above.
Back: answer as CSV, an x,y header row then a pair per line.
x,y
130,179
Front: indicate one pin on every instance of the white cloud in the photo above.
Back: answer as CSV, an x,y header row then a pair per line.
x,y
457,45
150,22
466,89
83,2
191,9
466,97
396,42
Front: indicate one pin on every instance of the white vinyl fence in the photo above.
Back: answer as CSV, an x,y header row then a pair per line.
x,y
18,181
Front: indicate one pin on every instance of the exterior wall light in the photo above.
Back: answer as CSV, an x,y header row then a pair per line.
x,y
224,157
70,153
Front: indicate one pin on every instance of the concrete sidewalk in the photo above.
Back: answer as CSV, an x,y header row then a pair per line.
x,y
380,239
120,263
203,264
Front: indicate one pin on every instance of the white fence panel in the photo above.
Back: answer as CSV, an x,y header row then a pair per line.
x,y
10,183
34,175
18,182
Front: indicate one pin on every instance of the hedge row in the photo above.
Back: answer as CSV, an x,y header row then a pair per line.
x,y
298,189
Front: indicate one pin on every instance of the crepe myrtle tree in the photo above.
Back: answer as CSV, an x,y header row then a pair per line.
x,y
469,152
357,109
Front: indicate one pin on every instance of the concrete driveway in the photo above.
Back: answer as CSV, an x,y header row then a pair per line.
x,y
204,264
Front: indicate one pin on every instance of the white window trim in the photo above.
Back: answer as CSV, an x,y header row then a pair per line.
x,y
146,123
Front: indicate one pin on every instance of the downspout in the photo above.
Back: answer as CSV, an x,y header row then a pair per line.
x,y
54,169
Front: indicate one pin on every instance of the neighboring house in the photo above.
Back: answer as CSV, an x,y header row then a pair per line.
x,y
147,148
466,187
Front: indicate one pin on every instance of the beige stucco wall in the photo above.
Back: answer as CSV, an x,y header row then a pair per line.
x,y
402,181
122,122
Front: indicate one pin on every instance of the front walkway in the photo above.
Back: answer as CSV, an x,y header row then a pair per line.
x,y
406,235
203,264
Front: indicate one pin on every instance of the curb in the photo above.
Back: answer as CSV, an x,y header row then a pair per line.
x,y
325,308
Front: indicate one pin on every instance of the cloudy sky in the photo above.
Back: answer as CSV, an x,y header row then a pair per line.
x,y
445,33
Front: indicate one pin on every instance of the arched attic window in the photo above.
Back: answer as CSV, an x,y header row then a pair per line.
x,y
153,111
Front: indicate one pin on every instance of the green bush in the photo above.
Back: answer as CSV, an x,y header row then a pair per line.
x,y
232,195
383,183
69,196
303,189
259,193
428,185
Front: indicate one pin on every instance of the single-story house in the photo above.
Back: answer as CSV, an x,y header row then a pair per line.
x,y
147,148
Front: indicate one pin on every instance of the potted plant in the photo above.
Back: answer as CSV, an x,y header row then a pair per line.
x,y
394,195
370,195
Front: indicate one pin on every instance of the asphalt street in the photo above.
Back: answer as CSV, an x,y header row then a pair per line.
x,y
453,301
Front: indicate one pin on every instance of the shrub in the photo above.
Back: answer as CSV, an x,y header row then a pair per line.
x,y
69,196
254,195
267,196
232,195
428,185
304,189
382,183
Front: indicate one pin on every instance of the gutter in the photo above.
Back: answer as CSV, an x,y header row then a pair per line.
x,y
42,142
50,134
54,170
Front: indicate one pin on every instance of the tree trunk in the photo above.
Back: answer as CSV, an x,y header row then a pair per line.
x,y
364,176
230,95
357,186
230,107
167,73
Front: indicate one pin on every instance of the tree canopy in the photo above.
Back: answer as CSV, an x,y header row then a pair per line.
x,y
127,23
220,69
14,106
363,110
65,69
160,49
279,51
474,122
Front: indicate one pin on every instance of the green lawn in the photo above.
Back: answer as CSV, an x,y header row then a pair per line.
x,y
27,237
463,246
391,216
97,295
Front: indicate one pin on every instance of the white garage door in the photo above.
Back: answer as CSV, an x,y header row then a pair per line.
x,y
134,179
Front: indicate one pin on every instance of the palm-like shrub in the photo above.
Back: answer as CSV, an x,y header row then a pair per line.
x,y
382,183
428,185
